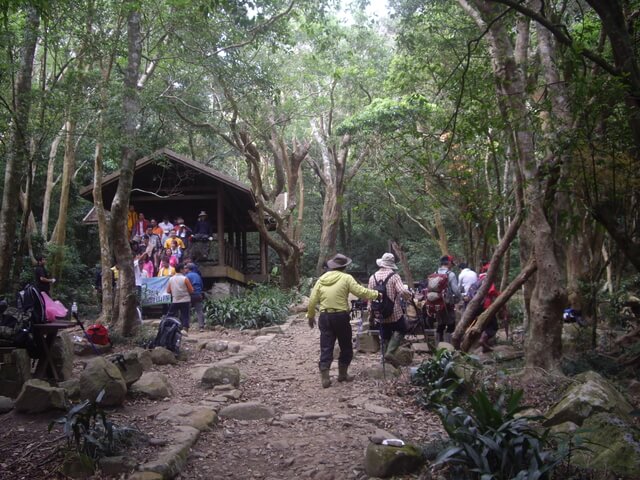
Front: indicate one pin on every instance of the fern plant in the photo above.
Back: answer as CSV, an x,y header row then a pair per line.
x,y
437,378
491,443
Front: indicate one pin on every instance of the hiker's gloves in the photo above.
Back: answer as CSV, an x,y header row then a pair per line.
x,y
312,322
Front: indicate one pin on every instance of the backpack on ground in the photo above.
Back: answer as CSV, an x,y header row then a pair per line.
x,y
435,292
15,331
169,335
30,301
382,308
98,334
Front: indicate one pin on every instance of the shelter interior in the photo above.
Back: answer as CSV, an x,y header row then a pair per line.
x,y
167,184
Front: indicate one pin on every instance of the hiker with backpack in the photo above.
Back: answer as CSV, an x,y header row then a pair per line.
x,y
441,295
331,295
490,328
387,312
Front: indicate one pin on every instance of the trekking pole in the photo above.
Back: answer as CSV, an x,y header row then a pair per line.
x,y
74,314
354,308
384,370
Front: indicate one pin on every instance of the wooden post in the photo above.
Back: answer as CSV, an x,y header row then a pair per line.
x,y
263,256
243,249
220,225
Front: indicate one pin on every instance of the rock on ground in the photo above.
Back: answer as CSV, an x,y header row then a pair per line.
x,y
38,396
101,374
162,356
386,461
220,375
154,385
247,411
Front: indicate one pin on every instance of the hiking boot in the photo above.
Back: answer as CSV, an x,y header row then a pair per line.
x,y
394,343
342,374
326,380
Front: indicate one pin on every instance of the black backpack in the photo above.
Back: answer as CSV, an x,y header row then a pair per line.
x,y
29,301
382,308
15,331
169,335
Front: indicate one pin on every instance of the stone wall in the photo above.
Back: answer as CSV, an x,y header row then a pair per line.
x,y
15,370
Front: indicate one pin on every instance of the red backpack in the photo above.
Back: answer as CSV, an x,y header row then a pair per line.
x,y
435,291
98,334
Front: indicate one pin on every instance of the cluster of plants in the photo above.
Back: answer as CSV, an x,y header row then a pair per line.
x,y
260,306
488,439
491,442
437,379
91,436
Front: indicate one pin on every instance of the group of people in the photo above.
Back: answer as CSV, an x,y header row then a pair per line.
x,y
161,246
331,292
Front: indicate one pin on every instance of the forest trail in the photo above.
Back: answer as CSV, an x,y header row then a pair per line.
x,y
316,433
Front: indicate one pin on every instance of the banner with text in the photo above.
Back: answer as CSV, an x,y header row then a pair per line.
x,y
154,291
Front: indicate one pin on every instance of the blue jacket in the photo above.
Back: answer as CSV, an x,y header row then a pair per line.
x,y
196,281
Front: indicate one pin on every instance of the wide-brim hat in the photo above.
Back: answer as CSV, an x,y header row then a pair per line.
x,y
338,261
202,214
387,261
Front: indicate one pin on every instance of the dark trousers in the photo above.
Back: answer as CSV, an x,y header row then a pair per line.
x,y
182,309
446,320
335,326
387,329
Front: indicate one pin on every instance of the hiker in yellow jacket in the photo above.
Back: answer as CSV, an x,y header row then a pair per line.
x,y
331,295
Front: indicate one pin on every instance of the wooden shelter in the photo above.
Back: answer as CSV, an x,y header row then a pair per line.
x,y
167,184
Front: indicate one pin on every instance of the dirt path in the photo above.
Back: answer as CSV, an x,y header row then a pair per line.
x,y
317,433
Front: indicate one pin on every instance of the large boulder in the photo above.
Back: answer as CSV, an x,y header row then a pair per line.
x,y
62,356
38,396
613,445
129,365
144,357
220,375
590,394
71,387
154,385
384,461
162,356
101,374
14,371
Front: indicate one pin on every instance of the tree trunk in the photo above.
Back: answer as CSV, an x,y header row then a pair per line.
x,y
59,235
543,346
126,322
399,251
17,159
50,183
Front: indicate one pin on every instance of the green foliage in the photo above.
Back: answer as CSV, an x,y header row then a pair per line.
x,y
491,442
91,435
389,114
261,306
438,381
616,309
